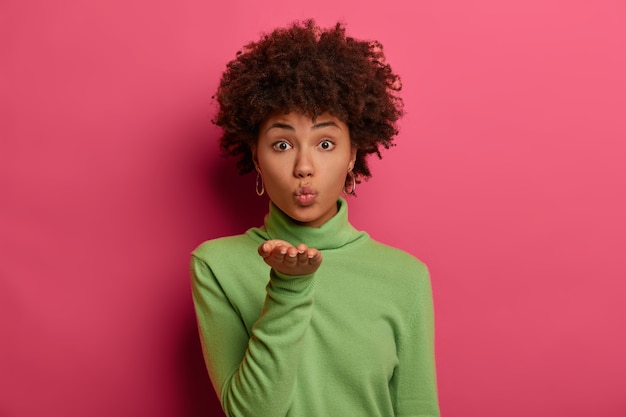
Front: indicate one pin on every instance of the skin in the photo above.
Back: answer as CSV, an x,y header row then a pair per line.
x,y
304,164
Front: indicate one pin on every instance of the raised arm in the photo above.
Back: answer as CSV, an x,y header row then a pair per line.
x,y
254,374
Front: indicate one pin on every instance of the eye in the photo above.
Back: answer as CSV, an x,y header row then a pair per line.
x,y
327,144
281,146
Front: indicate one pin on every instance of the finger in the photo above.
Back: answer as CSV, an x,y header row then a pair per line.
x,y
303,258
265,249
291,257
278,253
302,253
314,256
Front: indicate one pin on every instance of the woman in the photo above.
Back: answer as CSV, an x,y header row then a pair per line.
x,y
306,316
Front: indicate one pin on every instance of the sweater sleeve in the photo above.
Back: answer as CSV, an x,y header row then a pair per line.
x,y
253,374
414,383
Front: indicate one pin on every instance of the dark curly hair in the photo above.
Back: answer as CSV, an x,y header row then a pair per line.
x,y
310,70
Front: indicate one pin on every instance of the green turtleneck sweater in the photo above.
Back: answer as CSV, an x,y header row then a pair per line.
x,y
354,339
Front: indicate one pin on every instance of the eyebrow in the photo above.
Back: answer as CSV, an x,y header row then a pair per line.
x,y
286,126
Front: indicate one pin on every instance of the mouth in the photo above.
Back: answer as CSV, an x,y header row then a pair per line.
x,y
305,196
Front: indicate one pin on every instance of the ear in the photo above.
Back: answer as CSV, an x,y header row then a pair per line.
x,y
353,153
255,159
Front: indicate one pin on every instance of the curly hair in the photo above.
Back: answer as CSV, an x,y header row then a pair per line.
x,y
310,70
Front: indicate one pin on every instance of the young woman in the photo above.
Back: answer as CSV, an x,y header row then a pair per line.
x,y
306,316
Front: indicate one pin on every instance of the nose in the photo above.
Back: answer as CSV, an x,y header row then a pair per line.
x,y
304,165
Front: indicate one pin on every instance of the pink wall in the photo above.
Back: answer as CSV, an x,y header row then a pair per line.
x,y
508,180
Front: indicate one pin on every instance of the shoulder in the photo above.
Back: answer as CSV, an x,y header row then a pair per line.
x,y
395,269
229,246
395,258
230,250
213,247
397,279
230,267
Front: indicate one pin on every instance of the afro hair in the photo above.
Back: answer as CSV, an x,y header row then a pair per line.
x,y
310,70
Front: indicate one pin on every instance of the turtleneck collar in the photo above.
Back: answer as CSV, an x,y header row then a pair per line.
x,y
333,234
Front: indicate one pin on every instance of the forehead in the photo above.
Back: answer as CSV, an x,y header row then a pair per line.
x,y
296,121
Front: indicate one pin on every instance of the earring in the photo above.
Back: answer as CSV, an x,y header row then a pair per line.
x,y
352,189
259,179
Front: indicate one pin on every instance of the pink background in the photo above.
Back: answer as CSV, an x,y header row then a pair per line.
x,y
508,180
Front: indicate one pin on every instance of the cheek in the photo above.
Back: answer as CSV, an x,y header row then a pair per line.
x,y
335,174
268,164
338,165
274,173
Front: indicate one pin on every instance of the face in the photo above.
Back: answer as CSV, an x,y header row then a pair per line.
x,y
304,164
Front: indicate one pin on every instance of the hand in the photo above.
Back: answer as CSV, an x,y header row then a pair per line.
x,y
288,259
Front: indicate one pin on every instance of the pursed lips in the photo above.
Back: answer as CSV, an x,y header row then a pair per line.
x,y
305,195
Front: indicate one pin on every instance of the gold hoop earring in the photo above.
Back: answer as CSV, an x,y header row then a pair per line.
x,y
352,189
259,179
